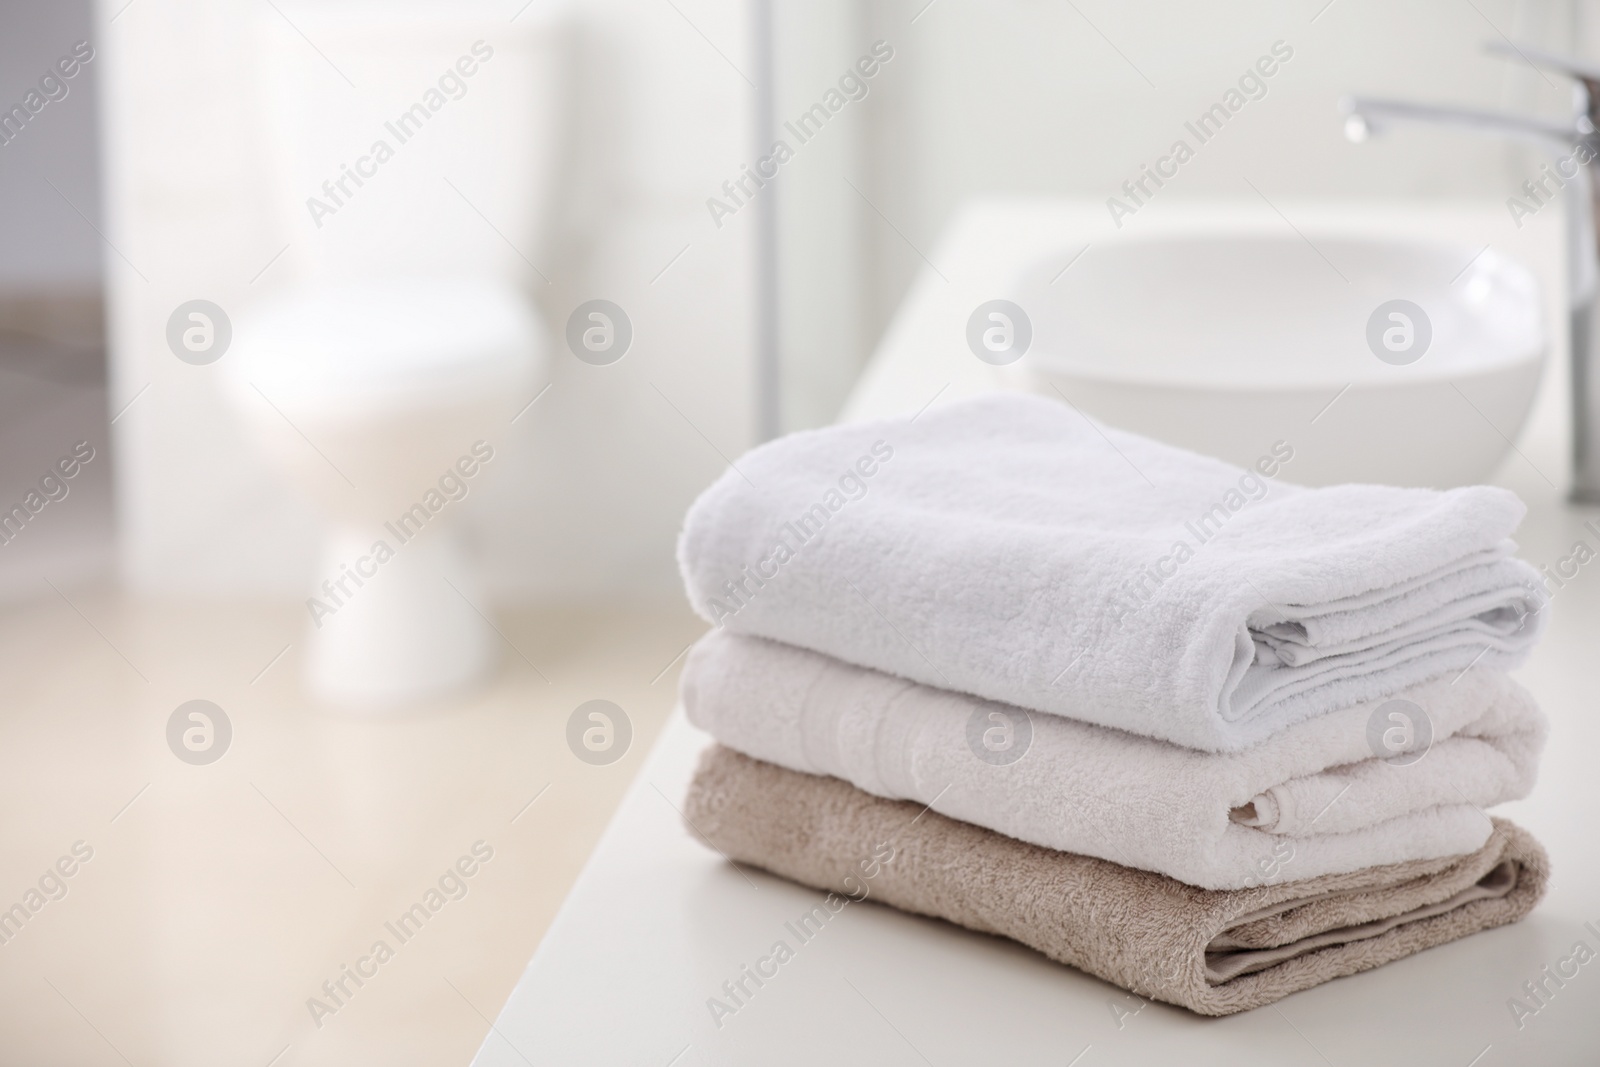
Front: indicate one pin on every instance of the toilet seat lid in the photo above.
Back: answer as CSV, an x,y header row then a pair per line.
x,y
391,338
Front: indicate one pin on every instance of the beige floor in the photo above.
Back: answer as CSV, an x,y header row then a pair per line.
x,y
220,898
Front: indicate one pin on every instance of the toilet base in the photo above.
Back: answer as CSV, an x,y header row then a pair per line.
x,y
394,623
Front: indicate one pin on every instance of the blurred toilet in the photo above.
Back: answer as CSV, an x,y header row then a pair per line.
x,y
416,145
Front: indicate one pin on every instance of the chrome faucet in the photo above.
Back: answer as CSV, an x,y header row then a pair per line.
x,y
1567,140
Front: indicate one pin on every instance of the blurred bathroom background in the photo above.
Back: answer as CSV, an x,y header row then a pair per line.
x,y
162,151
178,564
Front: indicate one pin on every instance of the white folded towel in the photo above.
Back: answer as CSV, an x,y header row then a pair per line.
x,y
1313,800
1006,546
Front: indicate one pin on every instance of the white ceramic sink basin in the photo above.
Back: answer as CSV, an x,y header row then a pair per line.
x,y
1227,344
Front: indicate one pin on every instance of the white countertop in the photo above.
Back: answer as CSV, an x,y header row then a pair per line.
x,y
657,922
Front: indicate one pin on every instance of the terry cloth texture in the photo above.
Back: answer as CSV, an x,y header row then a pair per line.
x,y
1006,547
1315,799
1213,951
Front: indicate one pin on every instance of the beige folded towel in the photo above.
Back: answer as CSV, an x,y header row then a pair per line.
x,y
1213,951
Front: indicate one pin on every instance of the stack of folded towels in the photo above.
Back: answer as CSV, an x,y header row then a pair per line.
x,y
1208,735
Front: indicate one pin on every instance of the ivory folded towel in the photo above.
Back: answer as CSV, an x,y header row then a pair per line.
x,y
1007,547
1315,799
1214,952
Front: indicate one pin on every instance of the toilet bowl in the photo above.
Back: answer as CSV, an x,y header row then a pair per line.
x,y
386,402
380,379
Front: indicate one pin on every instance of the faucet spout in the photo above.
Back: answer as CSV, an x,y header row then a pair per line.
x,y
1575,144
1365,115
